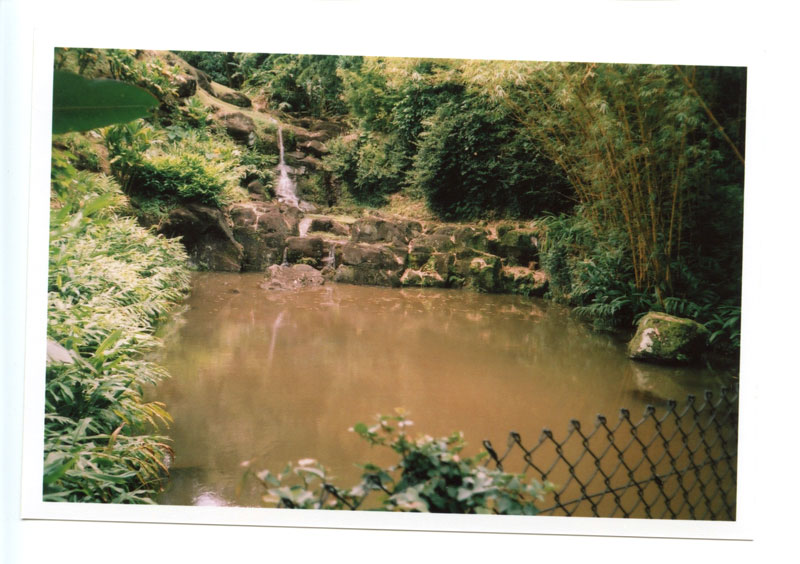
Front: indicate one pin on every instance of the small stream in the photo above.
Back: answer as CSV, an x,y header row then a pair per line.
x,y
271,377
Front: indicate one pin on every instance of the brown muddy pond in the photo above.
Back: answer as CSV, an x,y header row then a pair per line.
x,y
271,377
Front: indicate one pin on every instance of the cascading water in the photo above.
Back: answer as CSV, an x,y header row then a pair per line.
x,y
286,190
303,226
330,260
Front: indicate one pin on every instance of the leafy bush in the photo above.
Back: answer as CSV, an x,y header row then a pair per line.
x,y
457,167
472,163
368,167
79,151
189,165
191,114
185,177
220,66
418,101
110,282
431,476
589,270
255,165
299,83
314,188
151,73
127,146
368,96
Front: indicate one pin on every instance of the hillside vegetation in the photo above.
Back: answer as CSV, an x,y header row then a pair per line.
x,y
631,175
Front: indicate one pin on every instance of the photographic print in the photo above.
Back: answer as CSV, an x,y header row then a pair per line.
x,y
418,285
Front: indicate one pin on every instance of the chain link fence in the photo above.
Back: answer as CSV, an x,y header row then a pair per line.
x,y
679,464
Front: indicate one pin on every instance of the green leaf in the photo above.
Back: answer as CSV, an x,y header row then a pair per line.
x,y
54,469
81,104
98,203
112,338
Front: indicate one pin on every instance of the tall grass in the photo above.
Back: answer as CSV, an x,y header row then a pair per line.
x,y
110,283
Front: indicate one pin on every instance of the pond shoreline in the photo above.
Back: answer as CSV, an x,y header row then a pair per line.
x,y
272,376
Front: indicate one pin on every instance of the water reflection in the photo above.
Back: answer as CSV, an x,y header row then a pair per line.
x,y
273,377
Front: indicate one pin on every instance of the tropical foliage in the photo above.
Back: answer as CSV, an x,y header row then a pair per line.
x,y
630,175
431,475
110,283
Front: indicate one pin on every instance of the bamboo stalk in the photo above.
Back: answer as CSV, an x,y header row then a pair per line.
x,y
692,89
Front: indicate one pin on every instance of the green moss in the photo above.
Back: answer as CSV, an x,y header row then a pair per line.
x,y
666,338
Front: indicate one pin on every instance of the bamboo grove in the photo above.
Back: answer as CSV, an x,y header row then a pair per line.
x,y
629,138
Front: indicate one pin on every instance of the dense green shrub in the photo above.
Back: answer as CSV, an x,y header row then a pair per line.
x,y
127,146
417,101
368,167
299,83
368,96
183,177
588,269
181,165
79,150
110,282
472,163
219,65
432,475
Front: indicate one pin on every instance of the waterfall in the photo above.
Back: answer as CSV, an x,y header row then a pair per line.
x,y
285,261
331,258
286,190
302,227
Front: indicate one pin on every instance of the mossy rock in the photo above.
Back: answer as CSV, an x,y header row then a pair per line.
x,y
422,278
524,281
667,339
484,274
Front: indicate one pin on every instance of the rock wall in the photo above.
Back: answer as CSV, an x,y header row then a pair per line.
x,y
372,250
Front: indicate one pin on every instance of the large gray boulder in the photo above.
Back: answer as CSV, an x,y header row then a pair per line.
x,y
239,126
668,339
314,147
476,270
329,225
236,98
422,247
373,265
293,277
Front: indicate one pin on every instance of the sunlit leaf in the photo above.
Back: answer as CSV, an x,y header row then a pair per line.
x,y
81,104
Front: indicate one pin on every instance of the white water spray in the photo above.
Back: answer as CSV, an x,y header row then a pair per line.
x,y
286,190
330,260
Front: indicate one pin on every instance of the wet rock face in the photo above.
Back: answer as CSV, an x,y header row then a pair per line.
x,y
206,235
376,229
329,225
262,229
374,265
665,338
307,249
281,278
